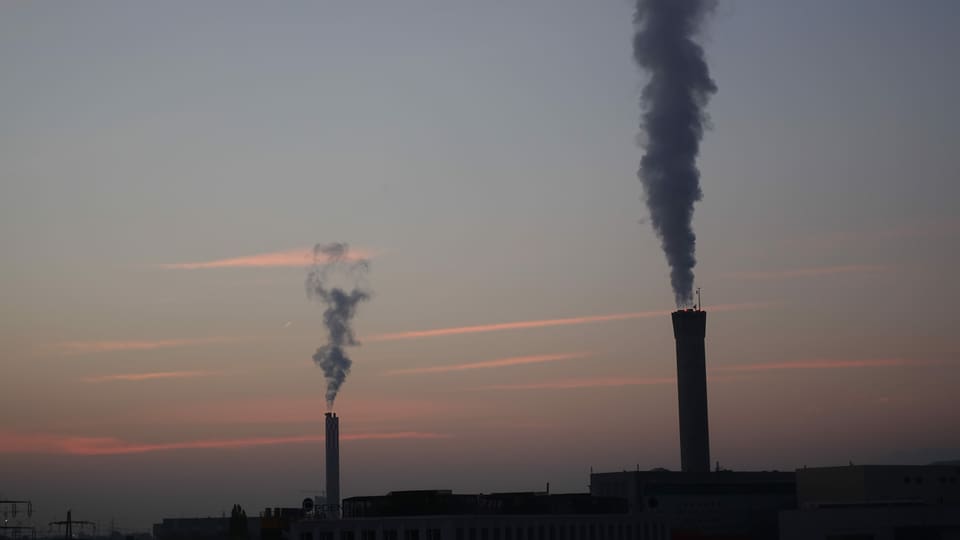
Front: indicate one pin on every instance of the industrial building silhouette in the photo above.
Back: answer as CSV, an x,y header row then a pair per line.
x,y
828,503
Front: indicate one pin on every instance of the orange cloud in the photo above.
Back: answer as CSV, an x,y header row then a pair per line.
x,y
819,364
522,325
149,376
100,446
487,364
811,272
299,257
599,382
88,347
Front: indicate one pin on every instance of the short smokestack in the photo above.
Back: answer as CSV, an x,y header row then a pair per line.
x,y
333,462
690,329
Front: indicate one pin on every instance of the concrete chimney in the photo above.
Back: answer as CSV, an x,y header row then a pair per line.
x,y
690,329
333,462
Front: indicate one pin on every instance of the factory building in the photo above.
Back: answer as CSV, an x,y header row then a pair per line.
x,y
698,503
444,515
724,504
829,503
202,528
875,502
445,502
878,484
484,527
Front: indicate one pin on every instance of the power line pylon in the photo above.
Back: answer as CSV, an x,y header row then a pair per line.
x,y
17,529
70,522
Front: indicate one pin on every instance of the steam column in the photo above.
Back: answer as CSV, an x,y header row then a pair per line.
x,y
333,463
690,329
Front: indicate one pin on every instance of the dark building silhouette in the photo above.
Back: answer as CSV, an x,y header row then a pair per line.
x,y
698,503
829,503
897,502
333,462
445,502
723,504
689,330
203,528
444,515
275,522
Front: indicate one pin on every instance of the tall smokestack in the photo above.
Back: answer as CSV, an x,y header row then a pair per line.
x,y
333,462
690,329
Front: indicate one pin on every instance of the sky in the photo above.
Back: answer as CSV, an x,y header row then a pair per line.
x,y
165,169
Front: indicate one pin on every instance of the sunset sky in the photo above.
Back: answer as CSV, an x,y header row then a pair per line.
x,y
166,167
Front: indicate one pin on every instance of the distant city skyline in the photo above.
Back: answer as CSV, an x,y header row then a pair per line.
x,y
166,169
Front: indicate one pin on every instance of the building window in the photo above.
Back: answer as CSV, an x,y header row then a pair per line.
x,y
390,534
473,533
508,533
368,534
433,534
411,534
325,535
459,533
496,533
346,535
306,535
484,533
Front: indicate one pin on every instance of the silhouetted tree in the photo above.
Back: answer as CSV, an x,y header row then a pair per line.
x,y
238,523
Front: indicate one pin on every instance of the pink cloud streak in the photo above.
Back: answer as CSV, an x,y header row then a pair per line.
x,y
149,376
101,446
820,364
487,364
545,323
88,347
812,272
299,257
600,382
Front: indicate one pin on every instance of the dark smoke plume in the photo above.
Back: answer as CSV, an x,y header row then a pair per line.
x,y
673,122
341,306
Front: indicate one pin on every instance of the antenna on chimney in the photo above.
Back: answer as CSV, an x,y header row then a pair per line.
x,y
699,302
